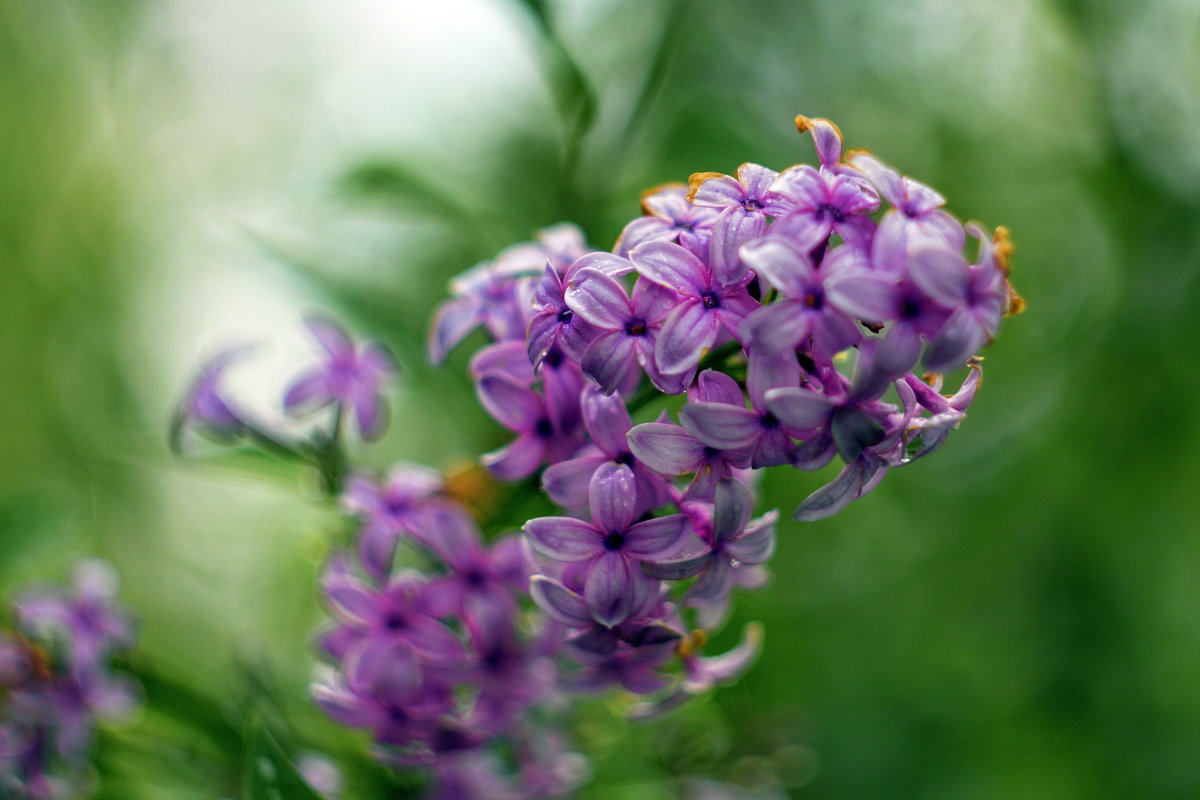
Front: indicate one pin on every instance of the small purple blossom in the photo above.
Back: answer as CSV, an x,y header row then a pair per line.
x,y
351,376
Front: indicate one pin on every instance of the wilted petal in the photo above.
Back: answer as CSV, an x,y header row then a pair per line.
x,y
854,430
834,496
714,190
563,538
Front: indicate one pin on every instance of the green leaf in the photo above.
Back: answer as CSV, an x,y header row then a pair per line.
x,y
267,774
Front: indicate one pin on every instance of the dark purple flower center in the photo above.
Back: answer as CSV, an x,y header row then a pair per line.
x,y
450,739
493,659
769,421
543,428
625,458
395,622
711,452
554,358
614,540
396,505
710,300
910,308
474,578
814,299
565,315
750,204
831,211
635,327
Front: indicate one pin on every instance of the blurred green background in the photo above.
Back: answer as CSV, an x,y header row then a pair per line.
x,y
1018,616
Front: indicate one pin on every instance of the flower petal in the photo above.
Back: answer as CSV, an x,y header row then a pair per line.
x,y
598,298
567,481
609,359
671,266
607,421
513,405
607,588
656,538
665,448
688,332
720,425
612,497
563,538
559,602
800,409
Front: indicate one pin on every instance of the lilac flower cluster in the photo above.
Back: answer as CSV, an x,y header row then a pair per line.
x,y
790,308
443,664
56,683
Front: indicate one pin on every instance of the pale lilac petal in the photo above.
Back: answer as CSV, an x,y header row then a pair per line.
x,y
805,229
612,497
598,298
959,339
713,586
679,568
671,266
862,295
607,588
453,322
734,309
656,538
376,549
771,449
721,669
510,358
734,227
559,602
371,414
609,359
757,544
853,431
834,496
800,409
432,638
827,139
642,230
515,406
516,461
732,509
803,186
717,387
779,263
776,328
848,195
939,272
713,190
665,448
308,392
607,421
884,178
608,263
563,538
757,179
331,336
721,425
898,351
685,336
567,481
770,371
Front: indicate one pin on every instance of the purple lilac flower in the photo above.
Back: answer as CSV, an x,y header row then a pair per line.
x,y
628,329
811,310
545,425
669,218
706,304
612,544
206,407
349,375
500,294
745,207
820,204
916,208
732,542
607,421
388,508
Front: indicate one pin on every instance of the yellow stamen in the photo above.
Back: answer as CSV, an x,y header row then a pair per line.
x,y
653,190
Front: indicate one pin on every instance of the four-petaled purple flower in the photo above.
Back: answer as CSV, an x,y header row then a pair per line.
x,y
351,376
